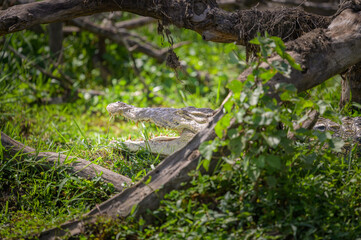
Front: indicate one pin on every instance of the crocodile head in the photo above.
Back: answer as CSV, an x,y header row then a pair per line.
x,y
187,121
349,129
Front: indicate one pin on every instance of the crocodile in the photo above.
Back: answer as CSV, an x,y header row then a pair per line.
x,y
190,120
186,121
349,129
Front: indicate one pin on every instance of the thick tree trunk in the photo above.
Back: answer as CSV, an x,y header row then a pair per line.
x,y
204,17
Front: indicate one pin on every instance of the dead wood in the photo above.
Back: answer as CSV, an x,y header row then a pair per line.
x,y
78,166
204,17
147,194
119,35
323,53
322,7
345,92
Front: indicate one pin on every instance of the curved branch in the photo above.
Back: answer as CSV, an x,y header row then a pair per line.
x,y
204,17
322,53
79,167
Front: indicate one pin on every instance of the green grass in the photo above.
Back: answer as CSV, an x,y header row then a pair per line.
x,y
316,197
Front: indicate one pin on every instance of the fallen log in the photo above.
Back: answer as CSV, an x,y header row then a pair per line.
x,y
147,194
80,167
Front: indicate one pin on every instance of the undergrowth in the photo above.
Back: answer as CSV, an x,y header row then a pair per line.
x,y
267,186
264,186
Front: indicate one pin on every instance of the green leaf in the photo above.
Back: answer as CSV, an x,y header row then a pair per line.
x,y
237,145
260,161
255,41
272,141
336,144
222,125
207,148
271,181
148,180
253,99
267,75
274,161
239,115
292,62
235,86
205,164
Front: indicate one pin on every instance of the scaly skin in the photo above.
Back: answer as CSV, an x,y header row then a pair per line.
x,y
187,121
190,120
349,129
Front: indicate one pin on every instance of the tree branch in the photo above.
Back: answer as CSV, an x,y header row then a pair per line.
x,y
204,17
80,167
322,53
118,35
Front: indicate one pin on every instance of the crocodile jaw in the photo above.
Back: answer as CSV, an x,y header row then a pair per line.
x,y
160,145
187,121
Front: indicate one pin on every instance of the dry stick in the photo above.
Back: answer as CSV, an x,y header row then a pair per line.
x,y
80,167
117,36
146,195
65,84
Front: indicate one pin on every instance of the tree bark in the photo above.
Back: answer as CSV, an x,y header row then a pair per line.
x,y
80,167
322,53
204,17
354,78
147,194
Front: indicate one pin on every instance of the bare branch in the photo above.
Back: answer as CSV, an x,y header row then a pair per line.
x,y
118,35
204,17
80,167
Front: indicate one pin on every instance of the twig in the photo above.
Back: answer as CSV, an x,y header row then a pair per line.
x,y
66,86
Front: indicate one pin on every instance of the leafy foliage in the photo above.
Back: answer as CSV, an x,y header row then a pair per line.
x,y
268,186
265,185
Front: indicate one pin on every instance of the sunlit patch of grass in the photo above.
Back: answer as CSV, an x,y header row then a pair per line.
x,y
34,197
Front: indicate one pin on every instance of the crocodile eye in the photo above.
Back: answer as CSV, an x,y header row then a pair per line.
x,y
321,128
